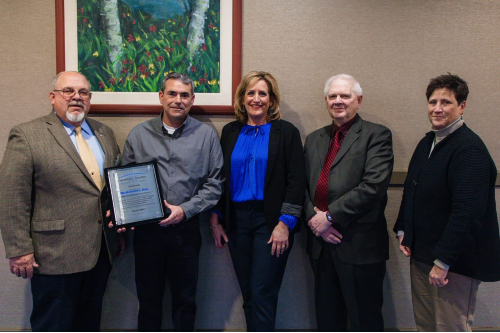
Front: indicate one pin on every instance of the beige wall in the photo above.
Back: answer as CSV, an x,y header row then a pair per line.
x,y
393,47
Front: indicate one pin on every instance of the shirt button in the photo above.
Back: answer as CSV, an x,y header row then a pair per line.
x,y
170,188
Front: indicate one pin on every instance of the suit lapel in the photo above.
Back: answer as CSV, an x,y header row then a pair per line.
x,y
323,144
57,130
274,143
350,138
229,147
99,134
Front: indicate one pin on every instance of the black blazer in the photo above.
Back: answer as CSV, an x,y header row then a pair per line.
x,y
448,211
285,176
357,190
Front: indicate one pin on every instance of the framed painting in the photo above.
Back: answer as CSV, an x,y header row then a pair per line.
x,y
126,47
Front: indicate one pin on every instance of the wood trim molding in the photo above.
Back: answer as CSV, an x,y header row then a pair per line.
x,y
398,177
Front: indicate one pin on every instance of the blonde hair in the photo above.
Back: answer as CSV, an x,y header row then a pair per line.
x,y
249,80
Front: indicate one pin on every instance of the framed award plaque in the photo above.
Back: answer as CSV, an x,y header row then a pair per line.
x,y
136,195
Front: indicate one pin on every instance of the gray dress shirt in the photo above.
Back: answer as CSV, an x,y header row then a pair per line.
x,y
189,161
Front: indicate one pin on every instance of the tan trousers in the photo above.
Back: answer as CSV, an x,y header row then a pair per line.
x,y
447,309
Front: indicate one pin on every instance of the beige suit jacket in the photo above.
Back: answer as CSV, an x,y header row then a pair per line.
x,y
49,204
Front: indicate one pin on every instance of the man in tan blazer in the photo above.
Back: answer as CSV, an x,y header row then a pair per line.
x,y
50,216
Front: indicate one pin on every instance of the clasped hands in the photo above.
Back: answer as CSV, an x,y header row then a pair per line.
x,y
320,226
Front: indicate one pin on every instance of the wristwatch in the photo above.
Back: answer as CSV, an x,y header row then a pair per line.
x,y
329,217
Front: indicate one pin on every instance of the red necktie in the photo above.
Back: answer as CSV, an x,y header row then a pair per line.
x,y
321,194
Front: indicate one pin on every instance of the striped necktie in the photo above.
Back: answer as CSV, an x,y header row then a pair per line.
x,y
321,194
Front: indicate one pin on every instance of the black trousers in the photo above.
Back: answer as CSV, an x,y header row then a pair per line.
x,y
347,291
70,302
259,274
161,253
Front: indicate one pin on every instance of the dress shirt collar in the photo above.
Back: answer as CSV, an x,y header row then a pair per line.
x,y
344,128
71,128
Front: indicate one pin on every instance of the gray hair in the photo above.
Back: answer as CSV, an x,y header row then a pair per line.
x,y
56,78
355,86
177,76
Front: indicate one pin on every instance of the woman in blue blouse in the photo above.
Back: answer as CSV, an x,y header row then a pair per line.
x,y
263,197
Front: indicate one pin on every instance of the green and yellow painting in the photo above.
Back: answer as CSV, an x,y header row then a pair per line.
x,y
130,45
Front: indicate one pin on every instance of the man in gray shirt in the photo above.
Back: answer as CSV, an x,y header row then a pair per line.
x,y
189,161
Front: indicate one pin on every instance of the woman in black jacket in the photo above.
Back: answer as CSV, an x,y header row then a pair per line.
x,y
448,221
263,195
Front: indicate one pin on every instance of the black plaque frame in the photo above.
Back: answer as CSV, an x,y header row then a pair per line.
x,y
165,211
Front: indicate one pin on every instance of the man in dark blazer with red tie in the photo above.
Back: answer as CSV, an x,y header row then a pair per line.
x,y
348,167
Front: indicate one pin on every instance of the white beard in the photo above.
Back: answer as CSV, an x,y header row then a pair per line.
x,y
75,118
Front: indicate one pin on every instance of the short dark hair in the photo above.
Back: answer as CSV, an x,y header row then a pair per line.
x,y
451,82
177,76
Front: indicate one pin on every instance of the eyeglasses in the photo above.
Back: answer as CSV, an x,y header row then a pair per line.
x,y
67,93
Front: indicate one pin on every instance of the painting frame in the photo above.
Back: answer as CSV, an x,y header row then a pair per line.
x,y
150,108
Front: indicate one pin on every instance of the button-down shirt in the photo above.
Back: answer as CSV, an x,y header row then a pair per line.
x,y
249,163
89,136
189,161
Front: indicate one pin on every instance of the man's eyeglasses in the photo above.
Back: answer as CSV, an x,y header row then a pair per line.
x,y
67,93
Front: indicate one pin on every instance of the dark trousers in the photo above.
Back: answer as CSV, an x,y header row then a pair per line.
x,y
70,302
161,253
259,274
347,291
